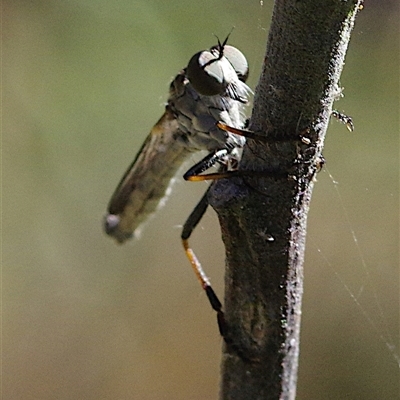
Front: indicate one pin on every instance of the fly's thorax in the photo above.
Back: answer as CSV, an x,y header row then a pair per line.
x,y
197,116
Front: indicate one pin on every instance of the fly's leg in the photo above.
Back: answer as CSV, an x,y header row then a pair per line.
x,y
260,136
344,119
190,224
341,117
194,173
243,132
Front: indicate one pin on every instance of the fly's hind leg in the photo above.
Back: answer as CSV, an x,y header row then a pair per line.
x,y
190,224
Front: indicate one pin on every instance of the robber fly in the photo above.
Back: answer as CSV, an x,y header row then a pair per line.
x,y
205,99
204,111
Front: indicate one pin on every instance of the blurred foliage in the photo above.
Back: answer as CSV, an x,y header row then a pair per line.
x,y
83,82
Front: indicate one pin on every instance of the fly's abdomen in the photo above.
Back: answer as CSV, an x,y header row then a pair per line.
x,y
147,181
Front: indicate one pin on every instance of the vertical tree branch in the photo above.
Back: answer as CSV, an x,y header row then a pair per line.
x,y
263,218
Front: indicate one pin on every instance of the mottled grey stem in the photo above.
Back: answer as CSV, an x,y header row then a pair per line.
x,y
263,220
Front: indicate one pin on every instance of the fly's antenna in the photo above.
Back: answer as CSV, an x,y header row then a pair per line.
x,y
221,46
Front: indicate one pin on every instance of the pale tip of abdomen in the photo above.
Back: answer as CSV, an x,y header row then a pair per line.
x,y
111,227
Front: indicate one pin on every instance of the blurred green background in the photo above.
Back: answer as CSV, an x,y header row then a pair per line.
x,y
83,318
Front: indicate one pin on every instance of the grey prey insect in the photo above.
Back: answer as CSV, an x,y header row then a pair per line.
x,y
206,96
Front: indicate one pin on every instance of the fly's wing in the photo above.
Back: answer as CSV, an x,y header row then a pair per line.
x,y
147,180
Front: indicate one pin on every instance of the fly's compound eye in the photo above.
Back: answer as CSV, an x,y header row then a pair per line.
x,y
236,58
212,73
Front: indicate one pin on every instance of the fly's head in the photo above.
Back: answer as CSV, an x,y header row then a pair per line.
x,y
222,71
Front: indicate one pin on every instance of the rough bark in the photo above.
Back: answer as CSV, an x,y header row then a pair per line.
x,y
263,217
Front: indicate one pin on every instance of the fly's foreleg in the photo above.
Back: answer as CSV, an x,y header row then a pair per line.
x,y
260,136
190,224
344,119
